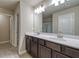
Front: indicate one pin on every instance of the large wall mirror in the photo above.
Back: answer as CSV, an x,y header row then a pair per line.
x,y
62,16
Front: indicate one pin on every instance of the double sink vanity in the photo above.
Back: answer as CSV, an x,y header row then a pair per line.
x,y
56,30
50,46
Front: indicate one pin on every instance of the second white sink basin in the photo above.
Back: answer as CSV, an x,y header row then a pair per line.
x,y
52,37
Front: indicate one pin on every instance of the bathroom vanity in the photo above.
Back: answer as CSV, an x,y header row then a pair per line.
x,y
46,46
63,21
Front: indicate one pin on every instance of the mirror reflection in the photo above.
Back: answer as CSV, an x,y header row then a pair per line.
x,y
61,16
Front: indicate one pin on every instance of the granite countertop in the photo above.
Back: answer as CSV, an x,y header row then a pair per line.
x,y
68,41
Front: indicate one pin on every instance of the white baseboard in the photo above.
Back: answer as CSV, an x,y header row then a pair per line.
x,y
4,42
22,52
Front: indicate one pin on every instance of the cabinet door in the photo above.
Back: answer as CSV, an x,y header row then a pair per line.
x,y
28,44
44,52
33,49
58,55
70,52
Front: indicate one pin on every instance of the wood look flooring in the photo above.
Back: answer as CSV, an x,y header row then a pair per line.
x,y
8,51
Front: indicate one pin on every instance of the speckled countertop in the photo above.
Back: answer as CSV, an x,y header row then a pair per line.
x,y
68,41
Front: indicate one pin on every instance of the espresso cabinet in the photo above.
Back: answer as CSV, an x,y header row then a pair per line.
x,y
42,48
44,52
34,47
70,52
28,44
58,55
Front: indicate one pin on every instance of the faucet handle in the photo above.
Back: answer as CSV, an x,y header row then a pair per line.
x,y
60,34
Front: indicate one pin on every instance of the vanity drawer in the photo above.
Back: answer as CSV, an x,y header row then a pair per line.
x,y
53,46
41,42
58,55
70,52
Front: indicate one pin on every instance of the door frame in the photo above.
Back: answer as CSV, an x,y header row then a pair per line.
x,y
18,31
11,23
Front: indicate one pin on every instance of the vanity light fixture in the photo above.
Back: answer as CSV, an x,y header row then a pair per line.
x,y
56,2
39,10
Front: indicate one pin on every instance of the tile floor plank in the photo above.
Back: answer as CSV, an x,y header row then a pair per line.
x,y
8,51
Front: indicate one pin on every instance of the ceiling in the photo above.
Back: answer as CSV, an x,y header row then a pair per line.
x,y
33,2
11,4
8,4
51,9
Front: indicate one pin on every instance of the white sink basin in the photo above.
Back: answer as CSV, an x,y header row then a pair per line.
x,y
36,34
53,38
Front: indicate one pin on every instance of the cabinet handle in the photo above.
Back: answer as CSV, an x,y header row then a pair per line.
x,y
63,49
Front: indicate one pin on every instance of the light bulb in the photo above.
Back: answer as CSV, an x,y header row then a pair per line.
x,y
62,1
56,3
39,9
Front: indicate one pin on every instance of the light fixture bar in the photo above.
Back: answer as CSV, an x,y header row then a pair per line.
x,y
57,2
40,9
62,1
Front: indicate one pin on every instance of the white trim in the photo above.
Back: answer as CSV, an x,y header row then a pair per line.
x,y
22,52
4,42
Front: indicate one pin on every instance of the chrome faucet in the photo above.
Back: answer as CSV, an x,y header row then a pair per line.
x,y
38,33
60,34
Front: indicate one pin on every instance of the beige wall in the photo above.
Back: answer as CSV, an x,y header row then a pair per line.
x,y
4,28
74,10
